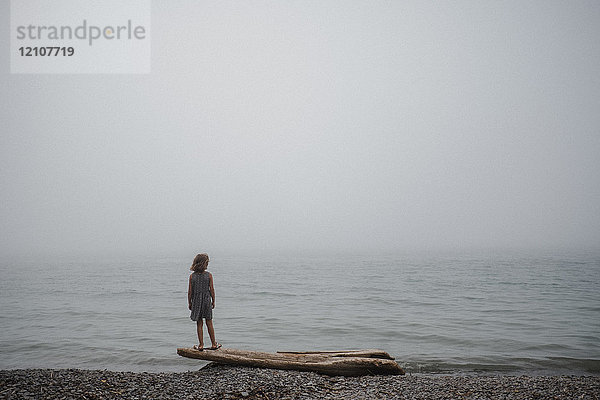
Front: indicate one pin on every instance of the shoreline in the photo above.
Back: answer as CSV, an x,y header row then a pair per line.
x,y
216,381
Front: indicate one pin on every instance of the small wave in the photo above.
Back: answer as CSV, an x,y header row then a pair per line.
x,y
507,366
274,294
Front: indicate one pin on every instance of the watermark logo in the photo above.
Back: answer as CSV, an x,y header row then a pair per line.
x,y
80,36
89,33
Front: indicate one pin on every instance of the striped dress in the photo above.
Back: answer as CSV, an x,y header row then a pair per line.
x,y
201,300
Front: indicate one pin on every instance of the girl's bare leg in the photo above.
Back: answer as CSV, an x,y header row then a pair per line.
x,y
200,333
211,332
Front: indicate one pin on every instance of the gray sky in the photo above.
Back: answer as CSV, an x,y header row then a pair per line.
x,y
299,125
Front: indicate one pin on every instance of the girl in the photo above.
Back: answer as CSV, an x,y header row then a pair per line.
x,y
201,299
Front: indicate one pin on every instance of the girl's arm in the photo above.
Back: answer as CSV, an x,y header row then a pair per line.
x,y
212,289
190,293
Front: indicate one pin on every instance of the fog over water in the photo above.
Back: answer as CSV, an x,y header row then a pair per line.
x,y
314,125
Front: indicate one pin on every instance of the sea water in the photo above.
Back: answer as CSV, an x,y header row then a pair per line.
x,y
514,312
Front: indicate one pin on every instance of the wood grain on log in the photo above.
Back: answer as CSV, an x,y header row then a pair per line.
x,y
322,362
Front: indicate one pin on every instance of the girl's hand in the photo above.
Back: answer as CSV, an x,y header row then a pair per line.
x,y
190,306
213,304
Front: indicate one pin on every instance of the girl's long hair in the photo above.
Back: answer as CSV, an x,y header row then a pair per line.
x,y
200,263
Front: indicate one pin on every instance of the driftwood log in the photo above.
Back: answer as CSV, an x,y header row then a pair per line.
x,y
371,353
346,363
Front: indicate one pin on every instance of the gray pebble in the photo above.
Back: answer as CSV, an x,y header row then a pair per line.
x,y
221,381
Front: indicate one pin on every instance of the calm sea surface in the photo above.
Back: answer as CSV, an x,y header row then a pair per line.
x,y
510,312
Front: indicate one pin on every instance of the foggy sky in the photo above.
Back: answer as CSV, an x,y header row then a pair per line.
x,y
315,125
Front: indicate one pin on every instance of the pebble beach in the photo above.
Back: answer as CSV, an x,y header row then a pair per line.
x,y
217,381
